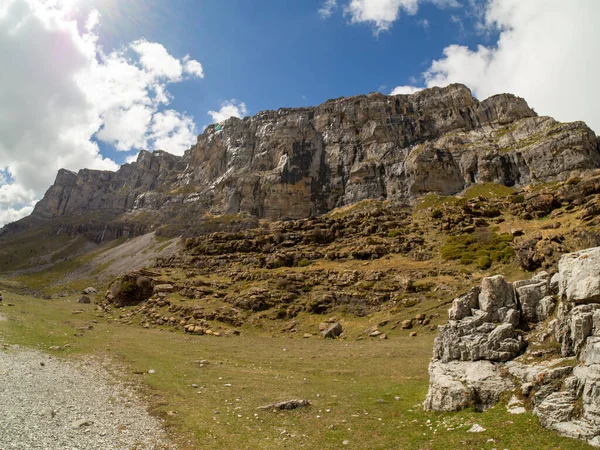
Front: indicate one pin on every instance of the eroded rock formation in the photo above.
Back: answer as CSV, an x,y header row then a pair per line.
x,y
477,354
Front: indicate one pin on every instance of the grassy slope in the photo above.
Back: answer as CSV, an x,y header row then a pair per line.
x,y
352,384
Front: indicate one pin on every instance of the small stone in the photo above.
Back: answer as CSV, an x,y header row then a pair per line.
x,y
48,413
517,231
413,334
476,428
406,324
375,333
81,423
151,371
345,442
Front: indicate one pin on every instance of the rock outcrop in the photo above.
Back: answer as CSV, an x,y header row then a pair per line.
x,y
476,355
300,162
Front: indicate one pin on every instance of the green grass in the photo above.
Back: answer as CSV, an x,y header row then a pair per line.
x,y
488,190
482,247
352,384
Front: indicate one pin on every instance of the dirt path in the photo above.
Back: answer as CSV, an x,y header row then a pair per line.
x,y
48,403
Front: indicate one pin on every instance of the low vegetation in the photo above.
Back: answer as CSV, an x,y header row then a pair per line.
x,y
361,390
372,265
483,247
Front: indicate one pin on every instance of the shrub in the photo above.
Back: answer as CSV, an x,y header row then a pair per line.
x,y
482,247
303,262
484,262
519,198
394,233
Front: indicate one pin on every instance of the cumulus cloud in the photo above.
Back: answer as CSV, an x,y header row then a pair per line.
x,y
172,131
61,93
231,108
328,8
405,90
545,55
15,202
193,67
381,14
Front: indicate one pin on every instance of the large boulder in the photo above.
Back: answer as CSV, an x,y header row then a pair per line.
x,y
130,289
457,385
332,331
533,296
480,342
482,325
575,326
580,276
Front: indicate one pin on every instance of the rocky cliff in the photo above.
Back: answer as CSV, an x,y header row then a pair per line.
x,y
538,339
300,162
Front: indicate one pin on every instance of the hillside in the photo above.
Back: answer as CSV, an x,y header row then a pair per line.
x,y
303,162
373,212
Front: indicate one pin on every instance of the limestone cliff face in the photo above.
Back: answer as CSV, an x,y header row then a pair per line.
x,y
293,163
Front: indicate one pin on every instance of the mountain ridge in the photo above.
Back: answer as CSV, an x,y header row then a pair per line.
x,y
300,162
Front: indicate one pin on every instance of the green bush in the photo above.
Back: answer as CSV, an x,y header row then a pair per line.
x,y
394,233
303,262
437,214
519,198
484,262
483,247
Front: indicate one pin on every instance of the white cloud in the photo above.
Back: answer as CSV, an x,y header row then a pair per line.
x,y
15,202
545,55
405,90
132,158
156,60
173,131
328,8
126,128
383,13
193,67
231,108
57,98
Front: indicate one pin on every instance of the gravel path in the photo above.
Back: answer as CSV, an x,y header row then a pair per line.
x,y
48,403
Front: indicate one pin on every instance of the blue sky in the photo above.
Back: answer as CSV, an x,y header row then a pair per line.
x,y
88,83
282,53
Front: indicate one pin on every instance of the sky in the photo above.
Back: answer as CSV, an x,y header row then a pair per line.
x,y
89,83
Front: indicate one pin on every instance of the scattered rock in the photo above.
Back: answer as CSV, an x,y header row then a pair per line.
x,y
285,405
81,423
163,288
84,299
332,331
476,428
